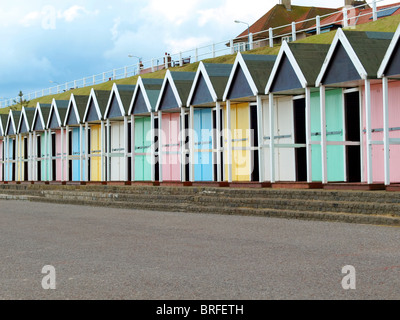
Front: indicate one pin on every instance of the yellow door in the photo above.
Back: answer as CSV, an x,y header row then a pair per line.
x,y
240,128
95,160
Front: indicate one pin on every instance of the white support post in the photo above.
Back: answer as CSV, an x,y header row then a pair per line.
x,y
81,152
362,138
374,11
62,155
294,31
218,137
152,65
232,46
87,153
126,158
133,147
49,156
153,148
30,156
323,136
272,137
180,59
191,144
104,176
160,145
368,128
229,138
94,80
105,155
271,38
67,144
345,18
115,73
196,55
251,43
260,129
386,137
308,134
183,145
213,50
318,18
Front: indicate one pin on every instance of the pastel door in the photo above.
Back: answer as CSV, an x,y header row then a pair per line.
x,y
335,133
286,169
203,168
118,150
44,155
240,131
10,164
171,164
95,160
143,149
20,163
77,168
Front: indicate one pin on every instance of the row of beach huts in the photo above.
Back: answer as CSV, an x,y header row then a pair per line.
x,y
313,113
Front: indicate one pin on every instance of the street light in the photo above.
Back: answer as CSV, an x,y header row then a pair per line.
x,y
248,28
139,63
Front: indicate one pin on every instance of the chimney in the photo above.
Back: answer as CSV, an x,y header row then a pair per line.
x,y
287,4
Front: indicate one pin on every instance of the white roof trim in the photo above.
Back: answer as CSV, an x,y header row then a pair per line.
x,y
202,70
52,108
72,102
96,104
341,37
389,53
23,116
240,61
285,49
115,91
140,85
38,111
168,78
10,117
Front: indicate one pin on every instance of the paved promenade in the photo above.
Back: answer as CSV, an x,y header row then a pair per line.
x,y
101,253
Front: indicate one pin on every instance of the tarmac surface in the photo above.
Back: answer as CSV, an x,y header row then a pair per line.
x,y
116,254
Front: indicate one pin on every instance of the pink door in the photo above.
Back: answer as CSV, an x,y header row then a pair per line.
x,y
59,167
171,164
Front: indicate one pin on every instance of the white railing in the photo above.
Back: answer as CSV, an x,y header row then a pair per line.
x,y
213,50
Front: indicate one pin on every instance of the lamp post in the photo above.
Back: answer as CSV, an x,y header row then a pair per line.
x,y
139,63
248,29
58,85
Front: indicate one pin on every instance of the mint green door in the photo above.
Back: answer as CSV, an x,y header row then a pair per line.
x,y
143,149
334,131
44,155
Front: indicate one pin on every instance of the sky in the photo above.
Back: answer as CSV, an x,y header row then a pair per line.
x,y
63,40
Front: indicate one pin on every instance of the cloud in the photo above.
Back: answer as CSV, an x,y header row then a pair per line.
x,y
74,12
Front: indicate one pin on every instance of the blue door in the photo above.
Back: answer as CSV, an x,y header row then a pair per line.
x,y
76,149
203,168
10,169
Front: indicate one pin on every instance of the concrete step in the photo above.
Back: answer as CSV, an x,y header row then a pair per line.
x,y
354,207
272,213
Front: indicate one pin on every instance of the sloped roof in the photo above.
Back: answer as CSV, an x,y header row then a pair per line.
x,y
260,67
81,102
3,123
29,114
126,93
279,16
219,76
62,107
360,15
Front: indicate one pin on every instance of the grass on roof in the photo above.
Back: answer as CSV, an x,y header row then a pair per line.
x,y
387,24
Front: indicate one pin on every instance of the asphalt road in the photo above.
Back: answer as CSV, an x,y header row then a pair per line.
x,y
101,253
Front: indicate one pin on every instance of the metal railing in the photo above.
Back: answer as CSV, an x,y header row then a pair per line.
x,y
213,50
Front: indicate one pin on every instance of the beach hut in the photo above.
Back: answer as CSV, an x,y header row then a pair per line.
x,y
119,142
24,138
205,121
389,71
40,145
351,66
95,134
3,123
245,102
173,121
56,135
145,125
293,118
11,146
75,138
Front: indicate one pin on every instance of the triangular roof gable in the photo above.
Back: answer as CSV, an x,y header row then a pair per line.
x,y
2,120
202,80
57,113
241,72
368,45
175,90
285,56
23,124
341,39
140,102
72,116
11,127
92,108
118,103
388,67
39,123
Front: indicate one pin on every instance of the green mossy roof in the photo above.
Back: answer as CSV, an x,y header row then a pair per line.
x,y
260,68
